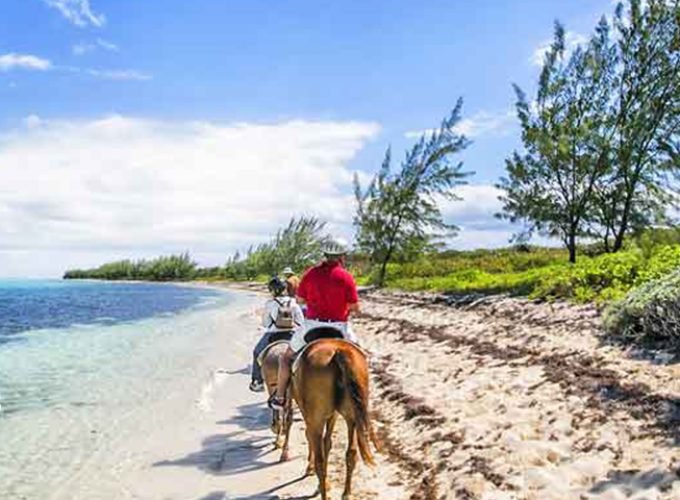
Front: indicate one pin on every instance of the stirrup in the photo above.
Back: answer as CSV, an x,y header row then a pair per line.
x,y
276,403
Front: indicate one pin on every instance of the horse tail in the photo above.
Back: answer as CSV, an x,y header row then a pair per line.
x,y
358,394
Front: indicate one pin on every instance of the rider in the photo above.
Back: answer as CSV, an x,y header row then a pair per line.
x,y
292,281
330,293
270,318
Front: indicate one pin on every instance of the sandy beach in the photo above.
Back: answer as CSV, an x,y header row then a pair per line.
x,y
495,399
505,399
499,399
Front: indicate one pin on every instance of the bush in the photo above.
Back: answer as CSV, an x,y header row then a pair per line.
x,y
650,313
662,261
605,277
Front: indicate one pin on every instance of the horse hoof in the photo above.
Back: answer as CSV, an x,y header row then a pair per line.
x,y
309,471
284,457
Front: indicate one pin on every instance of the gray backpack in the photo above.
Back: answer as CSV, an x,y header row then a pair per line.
x,y
284,316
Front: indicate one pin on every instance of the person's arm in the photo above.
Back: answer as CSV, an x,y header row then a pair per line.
x,y
352,295
298,317
267,315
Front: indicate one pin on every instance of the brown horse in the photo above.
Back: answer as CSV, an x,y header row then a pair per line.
x,y
331,378
281,420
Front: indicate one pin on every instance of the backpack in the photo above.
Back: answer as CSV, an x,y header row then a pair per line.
x,y
284,316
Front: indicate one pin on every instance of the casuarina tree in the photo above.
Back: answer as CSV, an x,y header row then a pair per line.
x,y
398,214
643,61
549,186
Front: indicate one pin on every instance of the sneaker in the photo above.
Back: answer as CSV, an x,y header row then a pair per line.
x,y
276,403
256,386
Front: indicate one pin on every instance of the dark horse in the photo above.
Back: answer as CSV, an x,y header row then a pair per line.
x,y
281,420
331,377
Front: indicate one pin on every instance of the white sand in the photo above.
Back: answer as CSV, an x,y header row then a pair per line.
x,y
520,401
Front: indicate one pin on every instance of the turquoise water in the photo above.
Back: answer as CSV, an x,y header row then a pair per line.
x,y
79,360
48,329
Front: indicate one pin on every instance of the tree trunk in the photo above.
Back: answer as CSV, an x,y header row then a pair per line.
x,y
383,271
623,228
571,245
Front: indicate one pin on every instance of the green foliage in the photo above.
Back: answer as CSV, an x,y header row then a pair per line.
x,y
642,62
297,245
166,268
504,260
397,215
650,313
600,278
662,261
601,138
541,273
549,187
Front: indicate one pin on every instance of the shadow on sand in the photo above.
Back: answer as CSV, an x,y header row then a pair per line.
x,y
234,452
238,452
631,482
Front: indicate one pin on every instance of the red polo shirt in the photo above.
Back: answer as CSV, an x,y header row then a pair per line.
x,y
328,289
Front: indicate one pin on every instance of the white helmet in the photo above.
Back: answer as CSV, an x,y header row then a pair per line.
x,y
335,246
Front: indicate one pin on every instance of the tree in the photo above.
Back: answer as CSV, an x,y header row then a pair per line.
x,y
643,117
298,245
550,186
398,214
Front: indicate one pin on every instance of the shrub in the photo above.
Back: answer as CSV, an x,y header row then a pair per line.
x,y
663,261
650,313
604,277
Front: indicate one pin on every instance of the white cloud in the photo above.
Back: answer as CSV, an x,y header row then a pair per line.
x,y
119,74
78,12
479,124
23,61
83,48
571,41
123,186
475,216
33,121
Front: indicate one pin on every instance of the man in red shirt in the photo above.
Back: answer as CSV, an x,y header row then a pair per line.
x,y
330,293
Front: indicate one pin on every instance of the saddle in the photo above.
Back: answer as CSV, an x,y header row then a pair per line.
x,y
275,338
317,334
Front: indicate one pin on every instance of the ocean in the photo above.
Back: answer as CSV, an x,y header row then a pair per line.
x,y
80,363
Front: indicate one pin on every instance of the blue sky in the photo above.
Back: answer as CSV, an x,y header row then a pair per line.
x,y
108,107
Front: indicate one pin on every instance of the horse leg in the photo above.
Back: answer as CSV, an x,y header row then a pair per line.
x,y
315,438
276,428
328,440
328,437
285,425
350,458
310,459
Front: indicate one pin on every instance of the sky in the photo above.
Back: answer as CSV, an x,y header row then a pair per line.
x,y
132,129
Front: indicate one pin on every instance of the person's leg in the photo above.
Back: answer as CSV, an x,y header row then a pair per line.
x,y
256,370
349,334
297,343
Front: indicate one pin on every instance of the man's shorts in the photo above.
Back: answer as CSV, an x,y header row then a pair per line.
x,y
298,340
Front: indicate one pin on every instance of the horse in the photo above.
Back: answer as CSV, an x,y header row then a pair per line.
x,y
281,420
331,377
